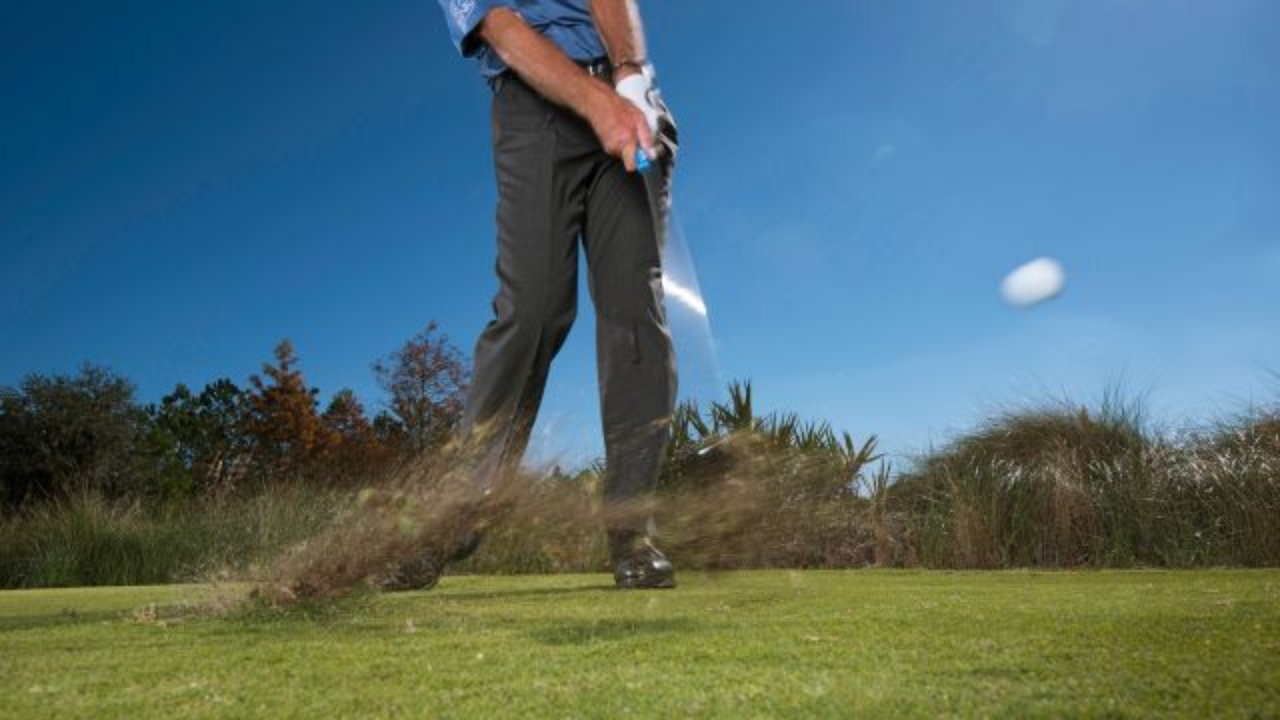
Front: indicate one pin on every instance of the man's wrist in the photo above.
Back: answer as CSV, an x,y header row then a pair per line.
x,y
628,66
625,72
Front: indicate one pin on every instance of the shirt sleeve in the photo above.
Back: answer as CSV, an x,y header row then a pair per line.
x,y
463,16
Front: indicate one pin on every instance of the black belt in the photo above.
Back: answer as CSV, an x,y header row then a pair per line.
x,y
600,69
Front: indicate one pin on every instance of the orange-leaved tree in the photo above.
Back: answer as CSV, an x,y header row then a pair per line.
x,y
288,432
425,382
356,453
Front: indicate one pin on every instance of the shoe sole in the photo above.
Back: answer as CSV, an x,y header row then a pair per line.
x,y
667,584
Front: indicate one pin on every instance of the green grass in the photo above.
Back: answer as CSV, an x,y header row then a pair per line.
x,y
88,540
776,643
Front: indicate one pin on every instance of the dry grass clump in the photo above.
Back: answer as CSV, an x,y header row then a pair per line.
x,y
1066,486
746,500
1224,491
752,501
425,508
1055,486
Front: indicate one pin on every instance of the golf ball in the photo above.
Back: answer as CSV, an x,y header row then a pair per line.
x,y
1033,283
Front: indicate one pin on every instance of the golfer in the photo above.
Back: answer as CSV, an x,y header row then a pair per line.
x,y
574,101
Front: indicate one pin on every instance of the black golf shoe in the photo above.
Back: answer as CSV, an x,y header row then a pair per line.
x,y
420,573
644,568
424,571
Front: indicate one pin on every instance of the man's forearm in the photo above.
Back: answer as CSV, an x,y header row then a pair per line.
x,y
540,63
619,125
618,22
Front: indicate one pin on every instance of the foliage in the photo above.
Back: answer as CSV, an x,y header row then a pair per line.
x,y
356,453
425,381
200,443
695,438
61,434
288,433
92,479
66,435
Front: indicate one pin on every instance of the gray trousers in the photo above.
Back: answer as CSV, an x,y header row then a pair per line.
x,y
558,191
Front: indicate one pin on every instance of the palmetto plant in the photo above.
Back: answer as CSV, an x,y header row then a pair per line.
x,y
743,489
695,438
737,414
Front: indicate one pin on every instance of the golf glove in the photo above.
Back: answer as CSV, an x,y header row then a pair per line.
x,y
640,90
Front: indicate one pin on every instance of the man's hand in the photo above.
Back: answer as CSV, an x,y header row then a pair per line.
x,y
638,88
618,22
621,127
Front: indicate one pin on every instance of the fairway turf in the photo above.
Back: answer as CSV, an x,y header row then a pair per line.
x,y
754,644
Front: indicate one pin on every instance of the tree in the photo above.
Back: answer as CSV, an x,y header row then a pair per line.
x,y
200,442
66,433
356,451
425,382
287,432
345,418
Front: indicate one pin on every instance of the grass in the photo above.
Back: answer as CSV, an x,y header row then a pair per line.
x,y
1071,486
762,643
87,540
1052,485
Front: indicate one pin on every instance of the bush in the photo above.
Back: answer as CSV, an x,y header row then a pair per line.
x,y
64,434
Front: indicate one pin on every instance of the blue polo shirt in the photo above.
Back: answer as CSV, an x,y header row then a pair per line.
x,y
567,23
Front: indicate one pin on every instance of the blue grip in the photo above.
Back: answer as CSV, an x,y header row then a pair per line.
x,y
643,164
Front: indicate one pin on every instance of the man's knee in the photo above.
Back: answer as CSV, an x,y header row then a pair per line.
x,y
638,298
532,321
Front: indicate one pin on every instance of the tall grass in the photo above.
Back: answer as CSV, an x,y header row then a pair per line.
x,y
1071,486
86,540
1058,485
554,528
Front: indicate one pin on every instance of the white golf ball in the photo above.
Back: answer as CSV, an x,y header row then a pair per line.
x,y
1033,283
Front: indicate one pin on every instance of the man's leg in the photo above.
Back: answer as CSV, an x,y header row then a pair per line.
x,y
541,195
540,206
625,230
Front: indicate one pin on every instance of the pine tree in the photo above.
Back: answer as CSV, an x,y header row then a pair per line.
x,y
288,432
357,454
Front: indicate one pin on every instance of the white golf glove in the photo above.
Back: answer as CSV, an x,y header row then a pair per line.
x,y
639,89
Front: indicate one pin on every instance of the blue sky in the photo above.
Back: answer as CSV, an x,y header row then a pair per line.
x,y
183,185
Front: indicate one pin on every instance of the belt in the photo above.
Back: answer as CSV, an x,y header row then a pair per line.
x,y
598,68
